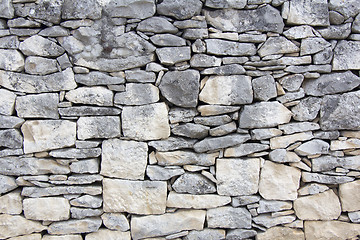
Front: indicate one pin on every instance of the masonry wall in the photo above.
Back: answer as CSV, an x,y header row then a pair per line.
x,y
179,119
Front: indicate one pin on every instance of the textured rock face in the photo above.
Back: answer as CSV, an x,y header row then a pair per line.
x,y
314,13
39,208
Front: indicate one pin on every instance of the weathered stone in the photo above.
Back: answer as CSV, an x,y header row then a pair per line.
x,y
336,31
167,40
88,111
87,201
349,193
313,45
146,197
203,60
207,233
140,76
34,236
239,4
309,68
210,110
231,69
228,217
85,166
149,122
191,130
168,223
313,147
97,78
227,90
9,42
71,44
245,149
299,32
213,120
347,9
264,114
354,216
307,109
91,95
156,25
346,55
223,129
291,128
193,183
39,208
7,102
11,203
75,226
236,234
108,234
54,31
7,183
158,173
123,159
177,200
215,143
327,134
281,233
340,111
223,47
283,156
37,84
49,11
195,33
98,127
279,182
244,200
177,115
6,9
268,221
336,18
81,9
12,226
264,88
43,135
137,94
181,87
237,176
324,179
191,23
314,13
172,143
295,60
277,45
81,213
172,55
11,60
76,153
285,141
36,192
179,9
10,138
185,158
266,206
356,25
345,144
312,189
263,19
40,46
315,230
265,133
40,66
115,221
38,106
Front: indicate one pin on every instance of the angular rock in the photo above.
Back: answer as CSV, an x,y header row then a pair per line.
x,y
137,94
356,25
130,9
330,230
228,217
309,68
108,234
345,144
11,138
49,11
167,40
313,147
172,55
347,9
181,87
268,221
231,69
7,102
81,213
6,9
71,44
281,233
75,226
237,176
39,208
207,233
264,88
140,76
265,133
11,203
40,46
148,122
215,143
87,201
223,129
291,128
194,34
185,158
264,19
279,182
179,9
191,130
239,4
7,183
299,32
283,156
213,120
177,200
38,106
36,192
346,55
244,200
177,115
76,153
158,173
99,96
285,141
156,25
115,221
336,31
324,179
307,109
313,45
277,45
40,66
81,9
349,193
168,223
88,111
203,60
9,42
43,135
98,127
124,159
240,234
223,47
172,143
37,84
266,206
97,78
12,226
312,189
314,13
354,216
11,60
210,110
85,166
227,90
193,183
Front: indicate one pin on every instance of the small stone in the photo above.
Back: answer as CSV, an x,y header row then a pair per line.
x,y
215,143
265,133
40,46
239,4
291,128
191,130
158,173
172,143
54,31
268,221
99,96
304,13
277,45
40,65
283,156
85,166
295,60
223,47
207,233
140,76
177,115
231,69
140,9
185,158
196,33
336,31
108,234
299,32
88,111
167,40
281,233
156,25
97,78
313,45
223,129
81,9
349,194
6,9
336,18
245,149
38,209
346,55
356,25
236,234
7,183
307,109
178,200
324,179
312,189
228,217
266,206
354,216
98,127
115,221
264,88
75,226
330,230
193,183
244,200
313,147
172,8
81,213
11,60
11,138
309,68
12,226
210,110
285,141
213,120
87,201
71,44
38,106
323,57
172,55
191,23
9,42
11,203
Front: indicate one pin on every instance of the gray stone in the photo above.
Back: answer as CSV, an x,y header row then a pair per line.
x,y
323,57
237,234
193,183
130,9
340,111
167,40
327,134
346,55
277,45
22,23
6,9
12,226
76,153
227,90
203,60
207,233
156,25
336,31
354,216
291,96
49,11
283,156
177,200
7,102
213,120
190,130
224,47
239,4
191,23
71,44
140,76
87,201
245,149
157,173
292,82
215,143
11,138
115,221
40,46
81,9
336,18
314,13
231,69
309,68
195,33
285,141
40,65
85,166
267,221
223,129
347,9
11,152
181,87
172,143
228,217
307,109
75,226
244,200
313,45
179,9
38,106
37,84
79,180
88,111
291,128
172,55
185,158
81,213
313,147
36,192
327,163
7,183
98,127
99,96
313,188
356,25
254,38
265,133
54,31
266,206
210,110
299,32
11,60
9,42
295,60
324,179
264,88
137,94
24,32
264,19
97,78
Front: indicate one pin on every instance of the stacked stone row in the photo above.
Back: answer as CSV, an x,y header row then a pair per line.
x,y
202,119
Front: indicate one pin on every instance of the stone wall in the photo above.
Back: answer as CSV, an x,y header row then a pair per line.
x,y
179,119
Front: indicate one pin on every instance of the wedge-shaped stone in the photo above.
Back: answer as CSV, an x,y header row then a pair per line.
x,y
311,189
228,217
98,127
75,226
262,19
178,200
314,13
349,194
283,156
285,141
38,106
124,159
345,144
245,149
211,110
6,9
108,234
43,135
264,88
216,143
168,223
12,226
97,78
148,122
307,109
156,25
43,9
39,208
37,84
190,130
91,95
172,8
281,233
227,90
231,69
313,147
347,55
11,60
87,201
237,176
277,45
322,230
172,55
137,94
36,192
162,173
224,47
324,179
139,197
130,8
11,203
193,183
115,221
313,45
185,158
40,46
291,128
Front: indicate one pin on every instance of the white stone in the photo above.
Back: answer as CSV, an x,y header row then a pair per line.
x,y
11,60
11,203
62,237
47,209
281,233
137,94
178,200
91,95
285,141
313,147
309,12
75,226
344,144
323,230
349,194
185,157
116,221
12,226
7,102
108,235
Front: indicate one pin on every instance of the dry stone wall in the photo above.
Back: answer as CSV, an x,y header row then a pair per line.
x,y
179,119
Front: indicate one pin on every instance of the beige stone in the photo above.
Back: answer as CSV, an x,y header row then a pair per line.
x,y
279,182
12,226
350,196
108,235
334,230
281,233
284,141
75,226
62,237
321,206
11,203
185,157
168,223
40,208
99,96
35,236
345,144
178,200
139,197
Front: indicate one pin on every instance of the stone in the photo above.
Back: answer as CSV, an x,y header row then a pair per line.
x,y
313,147
124,159
307,109
36,192
309,68
238,4
148,122
181,87
354,216
304,12
168,223
348,9
194,34
210,110
11,138
11,60
223,129
228,217
265,133
177,115
76,153
193,183
340,112
356,25
115,221
157,173
324,179
227,90
172,143
43,10
40,46
9,42
97,78
156,25
346,55
71,44
258,115
203,60
81,213
268,221
7,183
336,18
346,144
108,234
299,32
313,45
237,176
277,45
216,143
139,197
7,102
172,55
285,141
330,230
81,9
38,106
185,158
43,135
224,47
244,200
279,182
263,19
98,127
54,31
295,60
137,94
213,120
130,9
179,9
336,31
11,203
207,233
99,96
12,226
231,69
235,234
264,88
39,208
266,206
167,40
34,236
291,128
87,201
312,189
177,200
191,130
6,9
88,111
140,76
85,166
40,66
195,22
349,193
281,233
283,156
38,84
75,226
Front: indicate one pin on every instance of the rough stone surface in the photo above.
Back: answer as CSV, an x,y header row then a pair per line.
x,y
137,94
277,45
108,234
115,221
130,8
38,106
185,157
7,102
346,55
40,65
11,203
12,226
177,200
179,9
281,233
228,217
314,13
81,9
7,183
193,183
216,143
98,127
348,193
330,230
99,96
40,46
223,47
11,60
39,208
75,226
